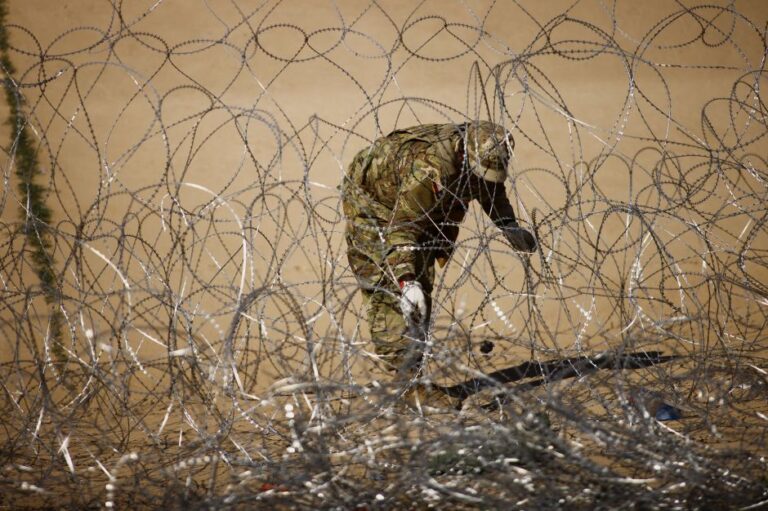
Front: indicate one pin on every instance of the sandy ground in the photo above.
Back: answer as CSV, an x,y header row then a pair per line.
x,y
195,149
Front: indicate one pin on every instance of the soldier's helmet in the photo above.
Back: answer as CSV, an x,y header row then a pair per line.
x,y
487,149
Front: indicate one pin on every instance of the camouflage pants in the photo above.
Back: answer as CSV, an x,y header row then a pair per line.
x,y
400,351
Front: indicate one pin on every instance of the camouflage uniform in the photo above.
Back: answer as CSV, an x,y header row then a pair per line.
x,y
404,198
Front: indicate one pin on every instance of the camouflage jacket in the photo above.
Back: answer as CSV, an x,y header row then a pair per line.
x,y
407,192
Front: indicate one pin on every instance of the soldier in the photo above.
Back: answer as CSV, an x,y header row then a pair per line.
x,y
404,198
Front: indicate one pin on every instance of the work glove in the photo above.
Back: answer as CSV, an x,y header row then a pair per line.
x,y
413,305
413,301
519,238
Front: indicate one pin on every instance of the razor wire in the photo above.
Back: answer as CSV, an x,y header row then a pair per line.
x,y
201,341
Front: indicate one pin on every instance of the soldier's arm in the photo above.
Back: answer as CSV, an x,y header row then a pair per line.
x,y
493,198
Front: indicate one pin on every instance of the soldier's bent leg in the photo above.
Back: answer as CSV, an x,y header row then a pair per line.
x,y
388,327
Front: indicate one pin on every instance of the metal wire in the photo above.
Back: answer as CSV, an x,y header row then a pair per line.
x,y
205,344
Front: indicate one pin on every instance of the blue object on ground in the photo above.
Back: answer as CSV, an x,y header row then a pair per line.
x,y
667,412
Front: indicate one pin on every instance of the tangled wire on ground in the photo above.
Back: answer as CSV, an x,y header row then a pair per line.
x,y
180,326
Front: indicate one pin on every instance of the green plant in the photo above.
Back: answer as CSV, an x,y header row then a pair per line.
x,y
37,216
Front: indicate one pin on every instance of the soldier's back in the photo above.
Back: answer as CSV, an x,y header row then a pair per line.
x,y
380,169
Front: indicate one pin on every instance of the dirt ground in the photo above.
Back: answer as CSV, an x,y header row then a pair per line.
x,y
192,150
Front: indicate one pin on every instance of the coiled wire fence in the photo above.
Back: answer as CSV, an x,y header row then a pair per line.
x,y
180,327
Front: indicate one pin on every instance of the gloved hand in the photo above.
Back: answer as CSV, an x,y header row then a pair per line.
x,y
519,238
413,301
